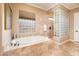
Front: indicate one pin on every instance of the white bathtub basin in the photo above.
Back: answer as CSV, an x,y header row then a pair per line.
x,y
27,41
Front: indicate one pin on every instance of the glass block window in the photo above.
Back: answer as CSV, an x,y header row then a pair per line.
x,y
26,26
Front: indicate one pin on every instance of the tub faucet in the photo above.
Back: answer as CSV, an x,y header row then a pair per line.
x,y
17,43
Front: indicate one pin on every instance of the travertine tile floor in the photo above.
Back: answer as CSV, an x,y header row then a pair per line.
x,y
46,49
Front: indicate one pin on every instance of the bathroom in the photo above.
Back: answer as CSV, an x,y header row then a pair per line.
x,y
27,25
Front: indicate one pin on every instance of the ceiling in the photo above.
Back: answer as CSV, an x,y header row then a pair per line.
x,y
47,6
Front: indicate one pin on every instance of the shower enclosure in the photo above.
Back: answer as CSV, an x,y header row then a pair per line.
x,y
61,24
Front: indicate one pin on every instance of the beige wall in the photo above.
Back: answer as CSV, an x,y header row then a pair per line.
x,y
72,22
0,28
41,18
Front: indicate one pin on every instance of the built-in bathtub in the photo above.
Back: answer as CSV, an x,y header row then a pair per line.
x,y
26,41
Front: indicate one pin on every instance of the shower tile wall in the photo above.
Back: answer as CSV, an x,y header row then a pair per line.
x,y
61,23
